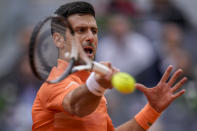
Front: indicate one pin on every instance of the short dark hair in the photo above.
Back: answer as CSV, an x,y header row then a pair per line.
x,y
68,9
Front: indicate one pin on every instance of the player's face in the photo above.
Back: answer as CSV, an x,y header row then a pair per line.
x,y
86,32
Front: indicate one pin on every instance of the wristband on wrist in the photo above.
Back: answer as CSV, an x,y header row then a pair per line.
x,y
93,85
147,116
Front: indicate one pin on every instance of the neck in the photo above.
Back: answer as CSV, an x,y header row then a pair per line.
x,y
61,55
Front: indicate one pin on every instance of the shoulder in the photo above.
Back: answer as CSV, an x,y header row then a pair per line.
x,y
48,90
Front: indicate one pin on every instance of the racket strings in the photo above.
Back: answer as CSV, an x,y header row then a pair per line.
x,y
43,53
58,28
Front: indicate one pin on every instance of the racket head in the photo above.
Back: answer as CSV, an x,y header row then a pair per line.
x,y
43,53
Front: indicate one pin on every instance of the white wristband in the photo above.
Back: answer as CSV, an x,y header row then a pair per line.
x,y
93,85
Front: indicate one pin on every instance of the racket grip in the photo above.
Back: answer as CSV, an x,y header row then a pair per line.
x,y
100,68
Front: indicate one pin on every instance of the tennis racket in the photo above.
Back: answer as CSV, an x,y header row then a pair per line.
x,y
43,53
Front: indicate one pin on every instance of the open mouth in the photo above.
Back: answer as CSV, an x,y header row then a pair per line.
x,y
89,50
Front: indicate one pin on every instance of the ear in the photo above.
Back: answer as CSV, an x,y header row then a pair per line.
x,y
58,40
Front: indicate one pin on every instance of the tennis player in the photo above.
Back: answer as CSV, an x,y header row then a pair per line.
x,y
77,103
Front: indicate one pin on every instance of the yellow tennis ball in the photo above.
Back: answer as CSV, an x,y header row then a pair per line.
x,y
123,82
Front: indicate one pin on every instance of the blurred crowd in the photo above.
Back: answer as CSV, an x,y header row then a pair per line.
x,y
140,37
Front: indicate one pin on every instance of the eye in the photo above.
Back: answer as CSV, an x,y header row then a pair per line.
x,y
80,30
94,30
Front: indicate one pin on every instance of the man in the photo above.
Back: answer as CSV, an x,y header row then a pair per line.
x,y
77,103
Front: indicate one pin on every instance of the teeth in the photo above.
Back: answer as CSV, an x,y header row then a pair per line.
x,y
88,50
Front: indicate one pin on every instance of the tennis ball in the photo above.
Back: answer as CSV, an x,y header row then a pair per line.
x,y
123,82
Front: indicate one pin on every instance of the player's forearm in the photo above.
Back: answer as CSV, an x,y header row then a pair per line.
x,y
81,101
142,121
131,125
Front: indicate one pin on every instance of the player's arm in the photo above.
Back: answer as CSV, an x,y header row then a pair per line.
x,y
82,100
159,98
131,125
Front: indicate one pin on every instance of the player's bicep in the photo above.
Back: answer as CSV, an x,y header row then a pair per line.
x,y
66,102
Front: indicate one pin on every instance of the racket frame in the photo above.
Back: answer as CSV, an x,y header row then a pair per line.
x,y
77,53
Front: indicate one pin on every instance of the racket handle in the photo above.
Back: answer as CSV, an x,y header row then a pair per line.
x,y
100,68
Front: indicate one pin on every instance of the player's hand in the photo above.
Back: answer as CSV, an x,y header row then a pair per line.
x,y
105,80
165,92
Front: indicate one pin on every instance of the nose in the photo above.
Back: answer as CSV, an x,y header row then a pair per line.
x,y
90,37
